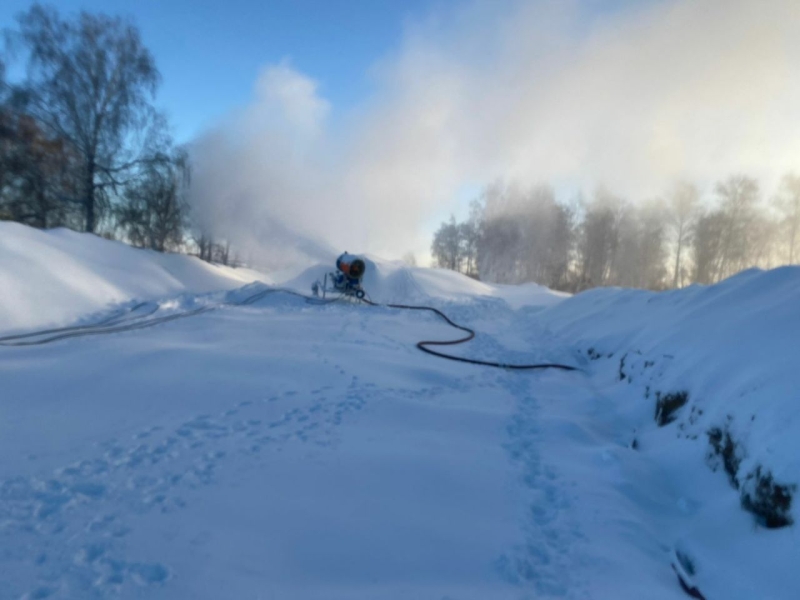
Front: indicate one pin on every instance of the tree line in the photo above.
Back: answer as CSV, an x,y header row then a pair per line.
x,y
82,144
516,235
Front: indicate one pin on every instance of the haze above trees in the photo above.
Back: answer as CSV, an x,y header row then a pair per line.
x,y
82,145
515,235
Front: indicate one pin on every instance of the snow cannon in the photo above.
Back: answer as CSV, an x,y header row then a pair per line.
x,y
352,267
346,280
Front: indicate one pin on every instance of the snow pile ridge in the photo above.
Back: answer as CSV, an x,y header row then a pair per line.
x,y
707,378
55,277
394,282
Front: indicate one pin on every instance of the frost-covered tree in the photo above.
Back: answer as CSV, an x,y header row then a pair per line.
x,y
526,236
470,232
738,196
447,247
707,246
600,239
682,214
641,255
498,245
787,203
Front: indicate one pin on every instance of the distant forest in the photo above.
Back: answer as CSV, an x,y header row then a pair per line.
x,y
518,235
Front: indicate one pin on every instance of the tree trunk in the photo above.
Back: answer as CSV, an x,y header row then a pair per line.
x,y
678,257
42,210
91,219
792,242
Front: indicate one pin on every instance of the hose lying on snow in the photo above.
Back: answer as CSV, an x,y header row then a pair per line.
x,y
129,324
423,345
131,321
59,333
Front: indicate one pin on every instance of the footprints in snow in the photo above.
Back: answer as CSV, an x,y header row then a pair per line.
x,y
67,531
546,559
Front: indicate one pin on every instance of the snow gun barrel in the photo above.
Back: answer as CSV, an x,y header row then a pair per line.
x,y
351,266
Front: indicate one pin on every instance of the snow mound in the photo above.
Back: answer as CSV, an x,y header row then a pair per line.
x,y
395,282
324,430
54,277
707,379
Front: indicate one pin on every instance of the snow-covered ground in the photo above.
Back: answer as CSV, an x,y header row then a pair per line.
x,y
58,276
282,449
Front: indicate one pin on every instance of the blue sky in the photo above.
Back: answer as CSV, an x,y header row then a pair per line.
x,y
210,53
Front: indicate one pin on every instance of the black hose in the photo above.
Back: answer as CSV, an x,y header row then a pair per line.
x,y
423,345
98,329
119,323
115,319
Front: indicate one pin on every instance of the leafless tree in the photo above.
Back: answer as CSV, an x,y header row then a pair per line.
x,y
641,255
683,213
90,83
35,172
222,253
205,245
738,196
600,238
788,204
470,233
707,246
153,210
447,247
525,235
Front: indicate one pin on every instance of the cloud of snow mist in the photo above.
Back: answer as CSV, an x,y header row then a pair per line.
x,y
632,97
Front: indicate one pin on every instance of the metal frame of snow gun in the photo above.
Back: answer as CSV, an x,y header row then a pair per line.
x,y
346,288
346,280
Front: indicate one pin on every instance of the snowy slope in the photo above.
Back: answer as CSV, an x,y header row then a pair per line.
x,y
264,446
733,349
277,449
54,277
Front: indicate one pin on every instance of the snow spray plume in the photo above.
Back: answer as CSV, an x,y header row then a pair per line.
x,y
632,98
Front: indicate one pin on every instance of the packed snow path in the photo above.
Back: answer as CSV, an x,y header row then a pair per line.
x,y
287,450
283,450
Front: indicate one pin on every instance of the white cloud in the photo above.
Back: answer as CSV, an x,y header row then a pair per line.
x,y
293,95
632,98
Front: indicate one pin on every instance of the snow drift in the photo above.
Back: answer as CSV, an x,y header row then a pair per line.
x,y
706,380
675,446
54,277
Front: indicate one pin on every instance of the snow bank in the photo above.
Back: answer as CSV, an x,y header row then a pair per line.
x,y
395,282
205,444
54,277
719,368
